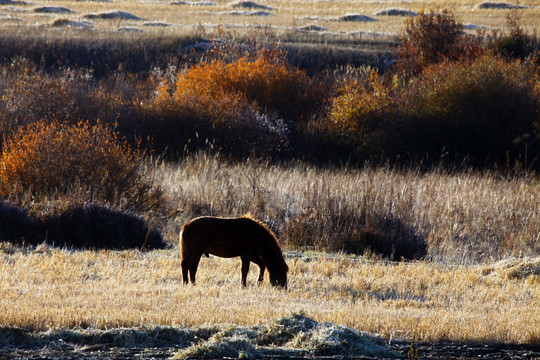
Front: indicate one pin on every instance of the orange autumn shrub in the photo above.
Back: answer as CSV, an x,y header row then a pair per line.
x,y
51,159
265,80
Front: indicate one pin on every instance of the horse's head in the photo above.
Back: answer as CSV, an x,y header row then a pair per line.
x,y
279,280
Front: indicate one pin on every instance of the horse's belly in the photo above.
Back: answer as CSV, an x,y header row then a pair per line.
x,y
226,251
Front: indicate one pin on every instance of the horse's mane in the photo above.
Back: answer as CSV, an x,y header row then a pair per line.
x,y
271,242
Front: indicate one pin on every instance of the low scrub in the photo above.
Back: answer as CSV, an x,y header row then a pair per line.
x,y
99,227
17,226
52,159
452,111
354,231
85,226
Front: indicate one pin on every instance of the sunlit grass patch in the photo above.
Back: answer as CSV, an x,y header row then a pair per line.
x,y
57,290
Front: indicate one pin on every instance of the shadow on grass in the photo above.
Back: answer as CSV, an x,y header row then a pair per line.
x,y
292,336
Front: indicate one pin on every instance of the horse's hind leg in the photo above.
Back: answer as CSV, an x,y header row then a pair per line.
x,y
189,269
185,269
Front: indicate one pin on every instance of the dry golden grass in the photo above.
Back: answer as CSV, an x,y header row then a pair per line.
x,y
212,17
464,217
470,220
56,289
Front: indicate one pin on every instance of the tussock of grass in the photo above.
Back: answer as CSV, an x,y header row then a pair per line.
x,y
516,268
295,335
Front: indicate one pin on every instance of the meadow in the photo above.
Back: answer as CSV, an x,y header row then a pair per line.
x,y
292,20
50,289
402,183
482,242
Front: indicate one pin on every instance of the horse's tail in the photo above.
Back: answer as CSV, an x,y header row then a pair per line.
x,y
184,246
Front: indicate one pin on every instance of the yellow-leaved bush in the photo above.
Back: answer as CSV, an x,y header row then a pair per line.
x,y
49,159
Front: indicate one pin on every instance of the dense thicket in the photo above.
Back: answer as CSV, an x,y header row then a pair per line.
x,y
74,114
450,97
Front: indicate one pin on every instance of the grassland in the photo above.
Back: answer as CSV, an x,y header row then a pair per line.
x,y
289,20
471,291
58,289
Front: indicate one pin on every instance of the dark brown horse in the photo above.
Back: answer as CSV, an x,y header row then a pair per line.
x,y
230,237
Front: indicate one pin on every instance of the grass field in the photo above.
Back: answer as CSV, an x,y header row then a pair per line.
x,y
466,294
57,289
269,18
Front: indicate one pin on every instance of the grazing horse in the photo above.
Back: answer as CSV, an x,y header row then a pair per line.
x,y
230,237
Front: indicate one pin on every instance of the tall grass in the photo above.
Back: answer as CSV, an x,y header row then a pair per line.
x,y
463,217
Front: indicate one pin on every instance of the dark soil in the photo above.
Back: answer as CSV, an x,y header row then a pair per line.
x,y
447,351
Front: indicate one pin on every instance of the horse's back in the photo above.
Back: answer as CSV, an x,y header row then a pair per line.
x,y
224,237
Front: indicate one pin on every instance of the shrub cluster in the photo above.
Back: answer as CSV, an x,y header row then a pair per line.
x,y
245,104
47,158
100,227
83,226
354,232
465,109
17,226
449,99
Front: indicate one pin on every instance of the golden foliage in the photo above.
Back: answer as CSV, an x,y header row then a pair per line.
x,y
264,80
45,158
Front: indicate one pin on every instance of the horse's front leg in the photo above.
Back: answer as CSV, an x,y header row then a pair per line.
x,y
262,267
245,270
193,269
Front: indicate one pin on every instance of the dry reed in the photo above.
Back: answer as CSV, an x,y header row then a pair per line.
x,y
463,217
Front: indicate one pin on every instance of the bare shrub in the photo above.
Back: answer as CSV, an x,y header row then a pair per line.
x,y
30,94
431,37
